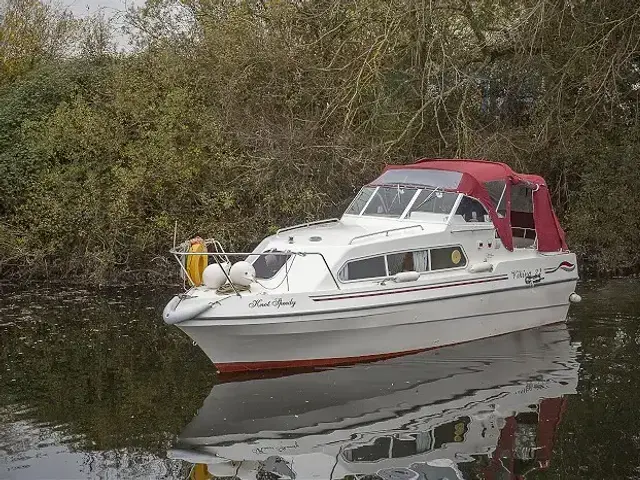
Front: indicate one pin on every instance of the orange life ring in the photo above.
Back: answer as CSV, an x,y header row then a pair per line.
x,y
197,263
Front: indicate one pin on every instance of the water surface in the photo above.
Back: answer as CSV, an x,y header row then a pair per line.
x,y
94,385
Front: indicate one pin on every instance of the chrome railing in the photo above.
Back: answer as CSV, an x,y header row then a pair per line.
x,y
308,224
387,232
181,251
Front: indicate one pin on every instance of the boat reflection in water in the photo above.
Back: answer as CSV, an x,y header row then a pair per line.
x,y
488,408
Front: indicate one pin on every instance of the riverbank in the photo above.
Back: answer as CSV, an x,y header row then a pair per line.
x,y
256,118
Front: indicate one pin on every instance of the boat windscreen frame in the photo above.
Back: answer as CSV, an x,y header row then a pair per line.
x,y
419,189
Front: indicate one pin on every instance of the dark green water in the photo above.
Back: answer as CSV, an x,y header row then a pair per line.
x,y
94,385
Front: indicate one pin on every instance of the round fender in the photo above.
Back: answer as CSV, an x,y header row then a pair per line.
x,y
402,277
179,310
480,267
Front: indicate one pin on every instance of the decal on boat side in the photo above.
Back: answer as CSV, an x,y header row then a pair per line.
x,y
373,293
530,277
533,279
566,266
275,303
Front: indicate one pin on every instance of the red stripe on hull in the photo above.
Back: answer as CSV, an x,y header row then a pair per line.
x,y
408,290
315,362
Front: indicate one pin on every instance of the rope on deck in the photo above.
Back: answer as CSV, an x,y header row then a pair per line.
x,y
227,289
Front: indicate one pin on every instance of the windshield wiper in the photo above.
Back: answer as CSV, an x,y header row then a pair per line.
x,y
436,189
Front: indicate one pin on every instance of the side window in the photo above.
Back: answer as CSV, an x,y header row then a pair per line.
x,y
502,207
366,268
447,257
417,261
472,210
496,189
523,225
408,261
521,198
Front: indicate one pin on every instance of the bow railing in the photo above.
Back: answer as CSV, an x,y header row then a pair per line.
x,y
214,250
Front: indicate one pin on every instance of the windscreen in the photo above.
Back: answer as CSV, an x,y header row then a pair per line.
x,y
389,201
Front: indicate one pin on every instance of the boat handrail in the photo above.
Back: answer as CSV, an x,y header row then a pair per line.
x,y
186,245
472,227
182,250
387,232
308,224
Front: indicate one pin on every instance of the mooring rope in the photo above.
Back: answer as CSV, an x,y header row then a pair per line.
x,y
227,289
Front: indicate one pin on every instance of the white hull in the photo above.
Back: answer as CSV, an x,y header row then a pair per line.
x,y
356,329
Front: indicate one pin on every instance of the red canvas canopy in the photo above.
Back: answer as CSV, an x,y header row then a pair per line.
x,y
472,178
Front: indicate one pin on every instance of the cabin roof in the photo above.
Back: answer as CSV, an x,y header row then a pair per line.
x,y
472,177
480,170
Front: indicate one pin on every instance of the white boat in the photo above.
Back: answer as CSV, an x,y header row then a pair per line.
x,y
491,406
430,254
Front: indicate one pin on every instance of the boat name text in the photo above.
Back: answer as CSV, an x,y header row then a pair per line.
x,y
279,448
275,303
530,277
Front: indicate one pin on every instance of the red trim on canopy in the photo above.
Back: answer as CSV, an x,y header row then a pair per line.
x,y
475,173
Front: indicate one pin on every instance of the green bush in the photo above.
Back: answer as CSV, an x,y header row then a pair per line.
x,y
234,120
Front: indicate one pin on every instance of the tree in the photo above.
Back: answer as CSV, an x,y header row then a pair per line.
x,y
31,33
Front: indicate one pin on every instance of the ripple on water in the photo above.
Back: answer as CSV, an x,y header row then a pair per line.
x,y
94,384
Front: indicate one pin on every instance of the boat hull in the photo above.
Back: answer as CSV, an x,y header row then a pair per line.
x,y
379,330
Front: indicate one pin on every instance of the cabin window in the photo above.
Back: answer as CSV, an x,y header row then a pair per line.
x,y
433,201
447,257
373,267
472,210
497,190
389,201
267,266
408,262
522,199
413,261
523,228
360,201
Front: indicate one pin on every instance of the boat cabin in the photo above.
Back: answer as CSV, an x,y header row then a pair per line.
x,y
430,217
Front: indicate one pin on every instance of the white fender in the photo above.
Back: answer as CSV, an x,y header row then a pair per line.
x,y
402,277
480,267
179,310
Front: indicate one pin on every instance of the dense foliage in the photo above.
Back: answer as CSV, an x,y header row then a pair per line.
x,y
234,118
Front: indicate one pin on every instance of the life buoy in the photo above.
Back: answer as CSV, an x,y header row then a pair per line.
x,y
197,263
